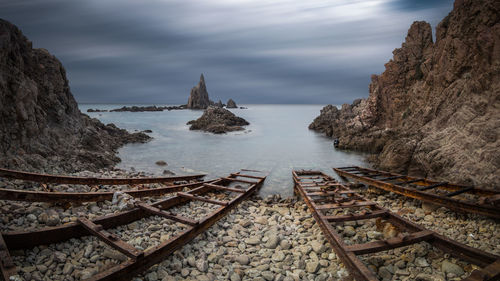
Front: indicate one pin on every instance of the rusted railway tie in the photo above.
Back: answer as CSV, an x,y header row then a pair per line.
x,y
44,178
358,208
484,201
73,197
138,261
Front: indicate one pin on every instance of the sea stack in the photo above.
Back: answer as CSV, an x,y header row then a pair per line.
x,y
218,121
41,128
198,99
435,110
231,104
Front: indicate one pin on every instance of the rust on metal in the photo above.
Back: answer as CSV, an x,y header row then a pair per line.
x,y
63,197
481,201
44,178
139,260
489,263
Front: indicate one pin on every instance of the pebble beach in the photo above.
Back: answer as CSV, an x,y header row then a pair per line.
x,y
261,239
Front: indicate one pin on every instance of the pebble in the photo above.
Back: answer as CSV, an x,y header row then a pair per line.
x,y
448,267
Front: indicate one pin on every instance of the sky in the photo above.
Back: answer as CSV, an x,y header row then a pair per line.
x,y
253,51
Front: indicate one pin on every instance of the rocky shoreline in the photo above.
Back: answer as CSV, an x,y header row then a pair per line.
x,y
434,111
262,239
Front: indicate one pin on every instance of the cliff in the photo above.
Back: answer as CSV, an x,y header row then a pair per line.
x,y
41,127
435,110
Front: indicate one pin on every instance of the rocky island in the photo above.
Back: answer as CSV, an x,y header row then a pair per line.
x,y
218,121
435,111
41,128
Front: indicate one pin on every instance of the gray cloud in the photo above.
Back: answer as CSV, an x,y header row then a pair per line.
x,y
254,51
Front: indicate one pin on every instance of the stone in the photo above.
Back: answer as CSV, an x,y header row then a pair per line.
x,y
449,267
242,259
421,262
161,163
268,275
202,265
285,245
235,277
384,273
278,256
152,276
68,269
318,246
253,240
312,266
114,255
261,220
349,231
272,242
185,272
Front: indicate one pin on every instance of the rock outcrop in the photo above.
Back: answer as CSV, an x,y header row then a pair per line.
x,y
41,127
218,121
198,99
231,104
435,111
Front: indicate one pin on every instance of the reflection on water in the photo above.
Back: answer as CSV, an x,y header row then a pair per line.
x,y
277,140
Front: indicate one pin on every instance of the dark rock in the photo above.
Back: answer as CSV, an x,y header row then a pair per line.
x,y
41,127
96,110
161,163
434,111
231,104
139,108
219,104
198,99
218,120
147,131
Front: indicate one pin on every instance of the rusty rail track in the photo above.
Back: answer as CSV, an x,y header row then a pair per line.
x,y
74,197
322,193
45,178
138,261
453,196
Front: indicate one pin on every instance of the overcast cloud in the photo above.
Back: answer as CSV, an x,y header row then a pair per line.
x,y
254,51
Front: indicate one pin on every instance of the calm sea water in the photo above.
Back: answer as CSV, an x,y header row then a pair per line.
x,y
277,140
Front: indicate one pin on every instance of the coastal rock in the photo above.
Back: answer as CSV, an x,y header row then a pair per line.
x,y
218,121
434,111
41,127
198,99
231,104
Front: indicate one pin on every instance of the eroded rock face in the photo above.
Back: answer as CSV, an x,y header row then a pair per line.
x,y
231,104
41,127
198,99
435,111
218,121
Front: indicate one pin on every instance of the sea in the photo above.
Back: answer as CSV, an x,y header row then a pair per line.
x,y
276,141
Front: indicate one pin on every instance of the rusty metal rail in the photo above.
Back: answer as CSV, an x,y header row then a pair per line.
x,y
453,196
322,194
138,261
44,178
73,197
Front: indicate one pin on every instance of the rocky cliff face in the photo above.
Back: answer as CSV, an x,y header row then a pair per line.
x,y
41,127
198,99
435,111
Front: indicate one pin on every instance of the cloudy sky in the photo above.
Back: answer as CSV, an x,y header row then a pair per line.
x,y
254,51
